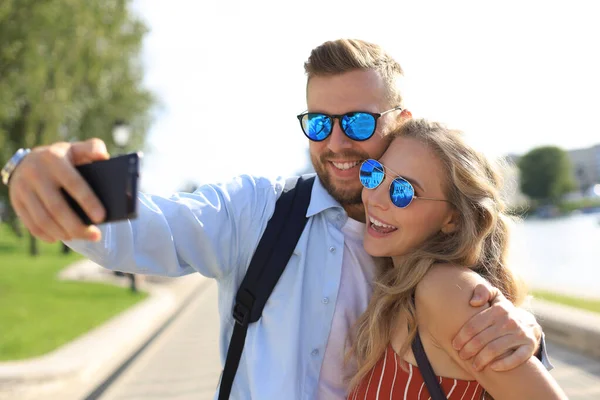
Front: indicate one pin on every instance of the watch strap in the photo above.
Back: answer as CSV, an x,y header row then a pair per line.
x,y
12,164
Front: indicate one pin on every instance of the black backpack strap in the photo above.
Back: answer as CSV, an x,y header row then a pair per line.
x,y
270,259
433,386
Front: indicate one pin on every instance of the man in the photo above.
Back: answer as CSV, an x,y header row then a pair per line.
x,y
297,346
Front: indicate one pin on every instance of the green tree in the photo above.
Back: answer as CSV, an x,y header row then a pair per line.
x,y
68,70
546,174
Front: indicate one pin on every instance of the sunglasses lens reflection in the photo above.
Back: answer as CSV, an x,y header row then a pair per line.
x,y
371,174
401,192
358,125
316,126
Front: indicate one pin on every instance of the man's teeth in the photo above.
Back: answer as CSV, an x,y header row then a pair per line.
x,y
346,165
381,224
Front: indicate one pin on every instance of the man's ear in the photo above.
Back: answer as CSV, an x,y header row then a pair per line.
x,y
405,115
451,223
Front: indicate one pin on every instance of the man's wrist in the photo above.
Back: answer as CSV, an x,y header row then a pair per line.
x,y
542,354
538,352
12,164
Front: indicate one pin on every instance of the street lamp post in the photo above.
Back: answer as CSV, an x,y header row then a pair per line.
x,y
121,134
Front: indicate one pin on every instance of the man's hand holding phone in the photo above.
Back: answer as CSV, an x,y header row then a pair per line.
x,y
114,182
36,191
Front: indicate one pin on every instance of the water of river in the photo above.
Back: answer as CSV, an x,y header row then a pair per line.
x,y
561,254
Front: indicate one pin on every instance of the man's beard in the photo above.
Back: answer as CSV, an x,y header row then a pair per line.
x,y
343,196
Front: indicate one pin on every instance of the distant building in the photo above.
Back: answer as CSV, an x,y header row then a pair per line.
x,y
586,167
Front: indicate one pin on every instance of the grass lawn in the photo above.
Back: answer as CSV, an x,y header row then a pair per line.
x,y
39,313
586,304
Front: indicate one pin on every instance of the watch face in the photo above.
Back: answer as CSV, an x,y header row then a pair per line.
x,y
7,170
5,176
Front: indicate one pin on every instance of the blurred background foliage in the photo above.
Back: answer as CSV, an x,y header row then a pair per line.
x,y
69,70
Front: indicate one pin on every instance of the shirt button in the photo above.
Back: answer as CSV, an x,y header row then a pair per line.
x,y
315,352
325,300
332,249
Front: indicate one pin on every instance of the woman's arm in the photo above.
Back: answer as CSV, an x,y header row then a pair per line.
x,y
442,302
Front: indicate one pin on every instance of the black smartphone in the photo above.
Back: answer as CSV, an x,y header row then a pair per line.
x,y
115,183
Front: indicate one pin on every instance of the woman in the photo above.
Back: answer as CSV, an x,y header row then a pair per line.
x,y
433,206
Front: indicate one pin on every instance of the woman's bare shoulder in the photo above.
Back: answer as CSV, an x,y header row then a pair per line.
x,y
442,298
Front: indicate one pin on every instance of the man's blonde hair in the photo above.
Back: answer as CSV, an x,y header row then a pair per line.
x,y
344,55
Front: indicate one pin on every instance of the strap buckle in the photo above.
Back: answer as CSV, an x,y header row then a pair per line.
x,y
243,307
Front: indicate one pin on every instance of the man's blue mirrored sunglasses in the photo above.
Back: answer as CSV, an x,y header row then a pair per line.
x,y
357,125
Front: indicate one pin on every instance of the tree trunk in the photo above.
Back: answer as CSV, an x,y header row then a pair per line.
x,y
13,222
33,246
39,133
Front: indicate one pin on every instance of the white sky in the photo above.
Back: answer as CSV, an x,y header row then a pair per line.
x,y
512,74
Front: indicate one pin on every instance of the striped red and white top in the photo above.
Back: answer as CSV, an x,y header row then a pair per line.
x,y
388,381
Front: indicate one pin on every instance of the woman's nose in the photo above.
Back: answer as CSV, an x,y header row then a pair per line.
x,y
378,197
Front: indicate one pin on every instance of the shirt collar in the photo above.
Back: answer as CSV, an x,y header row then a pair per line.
x,y
320,199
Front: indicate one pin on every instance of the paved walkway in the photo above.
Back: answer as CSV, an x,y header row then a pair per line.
x,y
579,376
183,363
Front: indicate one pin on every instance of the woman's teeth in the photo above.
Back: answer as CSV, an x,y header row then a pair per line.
x,y
380,226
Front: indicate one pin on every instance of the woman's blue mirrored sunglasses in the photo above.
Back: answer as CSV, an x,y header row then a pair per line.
x,y
402,192
357,125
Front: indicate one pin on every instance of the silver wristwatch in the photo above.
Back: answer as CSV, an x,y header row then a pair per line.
x,y
11,165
